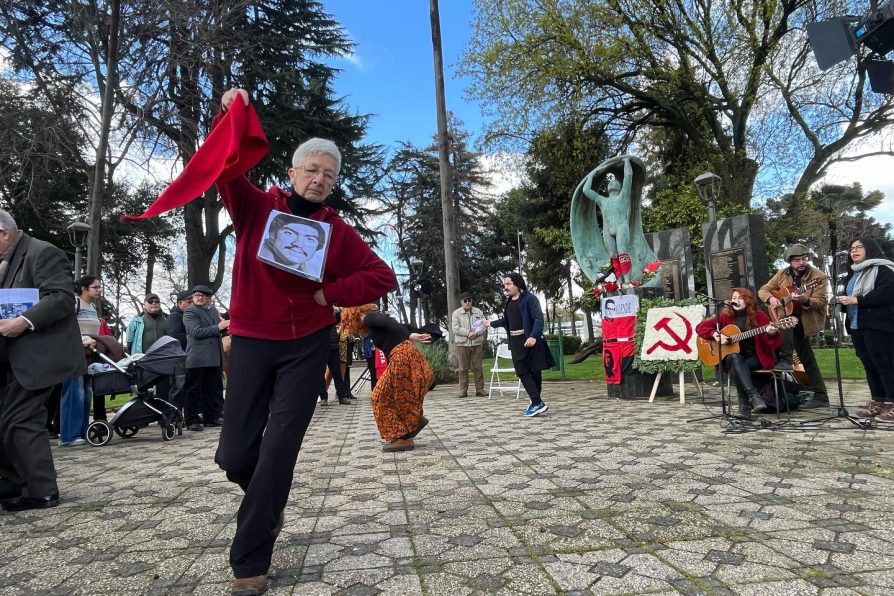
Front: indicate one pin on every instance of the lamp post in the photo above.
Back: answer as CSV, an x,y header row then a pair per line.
x,y
416,271
708,186
77,235
518,235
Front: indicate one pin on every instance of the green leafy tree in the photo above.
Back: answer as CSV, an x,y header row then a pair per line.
x,y
734,79
411,193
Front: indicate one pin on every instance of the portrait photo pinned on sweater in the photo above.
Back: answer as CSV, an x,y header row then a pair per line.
x,y
295,244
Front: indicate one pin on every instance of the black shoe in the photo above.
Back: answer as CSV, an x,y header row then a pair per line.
x,y
214,423
814,403
352,396
345,401
480,394
25,503
195,426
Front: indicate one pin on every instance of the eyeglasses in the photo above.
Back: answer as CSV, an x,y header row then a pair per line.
x,y
800,259
311,172
153,301
857,247
467,299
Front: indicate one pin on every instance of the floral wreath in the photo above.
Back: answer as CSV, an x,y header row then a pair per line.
x,y
610,287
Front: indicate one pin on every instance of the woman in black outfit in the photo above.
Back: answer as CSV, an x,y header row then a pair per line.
x,y
869,305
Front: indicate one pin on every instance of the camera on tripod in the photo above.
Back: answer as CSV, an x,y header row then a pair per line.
x,y
840,38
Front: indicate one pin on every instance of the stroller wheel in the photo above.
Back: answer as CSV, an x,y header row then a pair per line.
x,y
168,432
126,432
99,433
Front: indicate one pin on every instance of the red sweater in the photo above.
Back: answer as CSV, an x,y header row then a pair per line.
x,y
269,303
765,345
266,302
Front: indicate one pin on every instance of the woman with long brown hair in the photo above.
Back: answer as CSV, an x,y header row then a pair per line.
x,y
754,353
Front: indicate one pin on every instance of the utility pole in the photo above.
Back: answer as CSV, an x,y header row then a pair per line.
x,y
450,266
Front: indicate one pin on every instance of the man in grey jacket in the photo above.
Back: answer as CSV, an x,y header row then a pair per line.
x,y
468,334
204,360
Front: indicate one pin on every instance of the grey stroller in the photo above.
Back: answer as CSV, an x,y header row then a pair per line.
x,y
139,377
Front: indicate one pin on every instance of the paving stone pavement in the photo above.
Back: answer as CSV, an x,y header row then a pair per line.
x,y
598,496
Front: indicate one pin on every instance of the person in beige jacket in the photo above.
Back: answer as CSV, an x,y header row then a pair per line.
x,y
811,318
468,335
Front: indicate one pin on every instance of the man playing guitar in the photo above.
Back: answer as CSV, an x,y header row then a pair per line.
x,y
801,289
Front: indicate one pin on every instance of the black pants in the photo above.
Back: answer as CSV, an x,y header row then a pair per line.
x,y
271,396
341,386
53,403
25,456
532,381
740,367
373,376
794,340
875,349
204,390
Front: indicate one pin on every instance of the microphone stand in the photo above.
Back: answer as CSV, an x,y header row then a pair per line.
x,y
725,414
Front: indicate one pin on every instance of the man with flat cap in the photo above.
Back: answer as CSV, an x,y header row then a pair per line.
x,y
174,327
143,330
204,360
468,335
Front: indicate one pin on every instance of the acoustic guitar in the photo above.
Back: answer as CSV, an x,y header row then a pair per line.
x,y
786,295
709,349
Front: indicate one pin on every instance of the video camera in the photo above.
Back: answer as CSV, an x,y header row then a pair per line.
x,y
840,38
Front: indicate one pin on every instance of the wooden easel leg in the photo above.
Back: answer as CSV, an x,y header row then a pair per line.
x,y
682,381
655,387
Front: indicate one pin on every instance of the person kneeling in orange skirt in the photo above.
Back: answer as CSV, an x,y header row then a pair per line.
x,y
397,397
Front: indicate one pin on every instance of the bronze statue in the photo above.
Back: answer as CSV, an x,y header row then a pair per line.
x,y
607,226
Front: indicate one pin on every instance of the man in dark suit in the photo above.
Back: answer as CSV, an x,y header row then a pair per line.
x,y
204,360
40,348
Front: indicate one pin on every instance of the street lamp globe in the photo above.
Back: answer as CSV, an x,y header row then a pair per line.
x,y
708,186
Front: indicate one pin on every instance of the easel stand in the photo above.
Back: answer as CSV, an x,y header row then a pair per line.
x,y
364,376
682,384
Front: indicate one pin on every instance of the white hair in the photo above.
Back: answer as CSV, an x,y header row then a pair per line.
x,y
316,146
7,223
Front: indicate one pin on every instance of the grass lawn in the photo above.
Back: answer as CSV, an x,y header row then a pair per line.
x,y
591,368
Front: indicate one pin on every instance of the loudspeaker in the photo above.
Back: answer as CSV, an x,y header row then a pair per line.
x,y
881,75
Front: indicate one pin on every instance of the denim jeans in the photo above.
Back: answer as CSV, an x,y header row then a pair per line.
x,y
74,409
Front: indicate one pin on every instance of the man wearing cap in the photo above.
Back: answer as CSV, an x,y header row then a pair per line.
x,y
204,360
468,334
175,328
811,318
143,330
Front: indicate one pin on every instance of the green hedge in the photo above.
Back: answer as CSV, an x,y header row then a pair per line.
x,y
570,343
437,357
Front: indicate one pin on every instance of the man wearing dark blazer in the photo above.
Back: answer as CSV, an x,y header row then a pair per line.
x,y
39,348
204,360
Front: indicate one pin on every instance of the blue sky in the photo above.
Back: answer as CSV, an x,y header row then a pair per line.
x,y
391,77
391,74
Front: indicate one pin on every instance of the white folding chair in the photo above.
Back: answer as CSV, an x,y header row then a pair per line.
x,y
504,354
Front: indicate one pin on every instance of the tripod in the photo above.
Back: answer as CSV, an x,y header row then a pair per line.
x,y
726,414
364,376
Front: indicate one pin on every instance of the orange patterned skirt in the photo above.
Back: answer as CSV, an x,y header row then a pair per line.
x,y
397,398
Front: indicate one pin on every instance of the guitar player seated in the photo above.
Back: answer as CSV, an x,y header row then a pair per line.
x,y
800,290
758,352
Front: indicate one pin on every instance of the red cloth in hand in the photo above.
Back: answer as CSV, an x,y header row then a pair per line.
x,y
234,146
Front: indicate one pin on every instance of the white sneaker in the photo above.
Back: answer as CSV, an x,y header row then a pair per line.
x,y
75,443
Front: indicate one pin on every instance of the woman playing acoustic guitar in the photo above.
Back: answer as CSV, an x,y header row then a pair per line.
x,y
753,353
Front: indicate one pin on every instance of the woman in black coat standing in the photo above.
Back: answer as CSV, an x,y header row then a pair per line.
x,y
869,306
